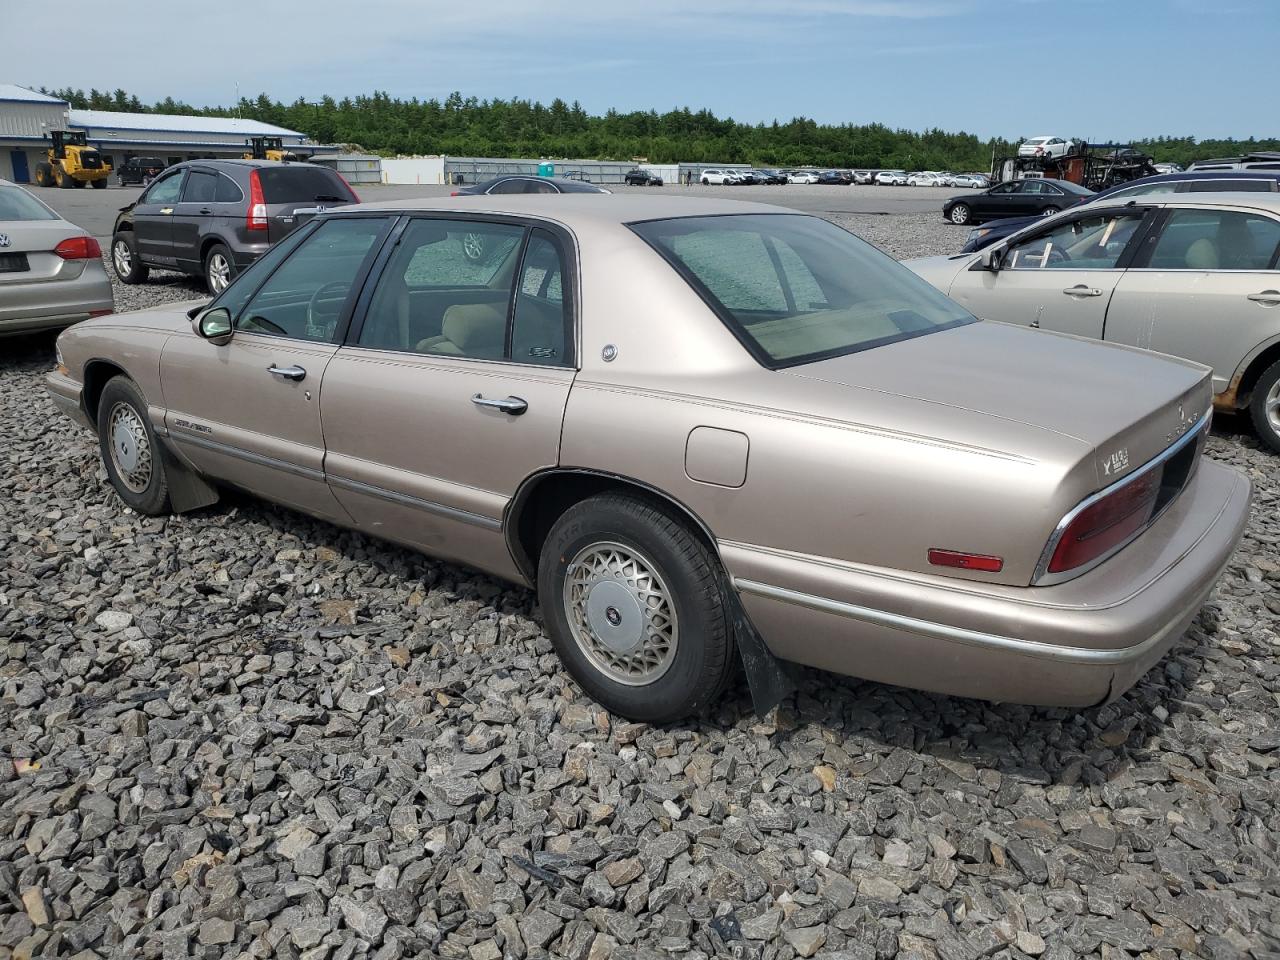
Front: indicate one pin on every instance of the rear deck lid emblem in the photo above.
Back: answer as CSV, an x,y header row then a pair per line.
x,y
4,240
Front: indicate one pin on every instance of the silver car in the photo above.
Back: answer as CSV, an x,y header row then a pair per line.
x,y
51,272
1193,275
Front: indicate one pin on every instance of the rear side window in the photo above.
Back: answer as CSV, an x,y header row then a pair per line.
x,y
1216,240
1230,186
228,191
297,183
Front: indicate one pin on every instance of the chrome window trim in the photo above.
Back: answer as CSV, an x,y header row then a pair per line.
x,y
1042,578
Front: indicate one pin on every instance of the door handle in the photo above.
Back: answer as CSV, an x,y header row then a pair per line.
x,y
1080,290
1269,297
512,405
294,373
205,210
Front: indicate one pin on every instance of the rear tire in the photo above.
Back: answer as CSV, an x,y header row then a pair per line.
x,y
636,608
219,269
124,259
1048,211
1264,408
130,453
44,175
960,214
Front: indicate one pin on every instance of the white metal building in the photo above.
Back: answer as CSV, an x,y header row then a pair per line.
x,y
462,170
26,117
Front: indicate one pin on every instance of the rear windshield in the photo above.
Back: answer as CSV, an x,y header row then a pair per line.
x,y
296,184
17,204
795,289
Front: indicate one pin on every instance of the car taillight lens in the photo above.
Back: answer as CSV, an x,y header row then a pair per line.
x,y
965,561
354,198
78,248
1106,524
256,218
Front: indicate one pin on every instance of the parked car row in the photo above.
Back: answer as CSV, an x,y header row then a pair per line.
x,y
717,176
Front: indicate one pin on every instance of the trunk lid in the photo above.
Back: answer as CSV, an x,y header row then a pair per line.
x,y
28,257
1127,405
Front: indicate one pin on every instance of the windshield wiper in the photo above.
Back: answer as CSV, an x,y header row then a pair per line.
x,y
328,196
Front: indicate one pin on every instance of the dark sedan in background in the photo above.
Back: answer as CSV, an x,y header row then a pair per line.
x,y
1035,196
1217,181
527,183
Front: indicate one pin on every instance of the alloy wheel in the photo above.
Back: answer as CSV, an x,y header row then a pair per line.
x,y
621,614
1272,406
219,271
122,256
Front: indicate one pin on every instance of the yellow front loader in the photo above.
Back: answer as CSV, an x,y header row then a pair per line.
x,y
72,162
271,148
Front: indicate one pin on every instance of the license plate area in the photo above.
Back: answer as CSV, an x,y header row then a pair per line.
x,y
14,263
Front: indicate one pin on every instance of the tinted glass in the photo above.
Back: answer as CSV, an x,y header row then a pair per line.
x,y
532,186
1146,190
303,299
1005,188
227,191
1229,186
446,290
17,204
297,183
200,187
796,288
513,185
1216,240
540,328
165,190
1091,243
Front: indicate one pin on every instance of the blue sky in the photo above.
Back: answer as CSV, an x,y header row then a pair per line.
x,y
1099,69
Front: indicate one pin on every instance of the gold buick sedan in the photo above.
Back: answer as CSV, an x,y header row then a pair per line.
x,y
692,425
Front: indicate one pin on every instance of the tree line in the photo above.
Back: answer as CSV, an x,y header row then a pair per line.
x,y
459,126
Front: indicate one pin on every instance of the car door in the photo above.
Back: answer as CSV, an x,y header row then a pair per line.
x,y
1205,286
998,201
463,370
153,219
248,412
1060,278
191,218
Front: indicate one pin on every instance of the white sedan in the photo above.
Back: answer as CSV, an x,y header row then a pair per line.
x,y
1049,147
924,180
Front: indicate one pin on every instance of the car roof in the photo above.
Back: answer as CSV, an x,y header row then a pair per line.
x,y
238,162
1234,198
595,209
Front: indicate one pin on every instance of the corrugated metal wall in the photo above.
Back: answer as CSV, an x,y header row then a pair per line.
x,y
31,119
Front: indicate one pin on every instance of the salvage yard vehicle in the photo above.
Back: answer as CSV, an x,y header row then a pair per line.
x,y
1035,196
51,272
212,218
891,178
640,177
71,162
614,409
526,183
714,175
140,170
1193,275
1051,147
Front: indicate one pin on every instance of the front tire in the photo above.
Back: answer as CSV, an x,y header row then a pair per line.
x,y
960,214
1264,408
636,608
44,175
129,449
124,259
219,269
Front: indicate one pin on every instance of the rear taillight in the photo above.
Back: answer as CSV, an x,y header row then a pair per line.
x,y
78,248
256,218
1106,524
354,198
455,194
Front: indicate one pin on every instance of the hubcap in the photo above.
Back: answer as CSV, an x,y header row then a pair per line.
x,y
130,448
122,256
219,273
621,613
1272,405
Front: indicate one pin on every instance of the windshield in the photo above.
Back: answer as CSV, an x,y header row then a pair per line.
x,y
17,204
795,288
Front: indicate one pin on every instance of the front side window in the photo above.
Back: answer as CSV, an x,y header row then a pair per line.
x,y
166,190
795,288
1216,240
304,297
1090,243
446,290
1005,188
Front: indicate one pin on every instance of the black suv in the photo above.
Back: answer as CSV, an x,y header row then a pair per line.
x,y
140,169
213,218
640,177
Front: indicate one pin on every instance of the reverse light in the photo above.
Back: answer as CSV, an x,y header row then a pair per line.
x,y
1101,526
965,561
78,248
256,218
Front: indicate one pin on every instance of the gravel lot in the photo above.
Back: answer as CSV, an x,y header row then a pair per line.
x,y
244,733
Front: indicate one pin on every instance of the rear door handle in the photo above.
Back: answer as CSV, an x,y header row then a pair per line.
x,y
512,405
1269,297
206,210
289,373
1080,290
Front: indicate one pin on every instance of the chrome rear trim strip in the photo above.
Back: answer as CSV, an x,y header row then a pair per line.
x,y
942,631
428,506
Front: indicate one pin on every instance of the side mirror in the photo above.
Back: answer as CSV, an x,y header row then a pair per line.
x,y
213,325
993,258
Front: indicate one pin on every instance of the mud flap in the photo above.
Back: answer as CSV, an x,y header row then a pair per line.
x,y
187,489
769,679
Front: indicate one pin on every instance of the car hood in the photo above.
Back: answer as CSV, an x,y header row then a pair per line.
x,y
986,383
171,317
939,271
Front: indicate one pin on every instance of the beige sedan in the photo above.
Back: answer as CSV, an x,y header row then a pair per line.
x,y
690,424
1195,275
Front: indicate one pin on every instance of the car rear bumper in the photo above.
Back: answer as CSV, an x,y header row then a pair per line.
x,y
1074,644
49,304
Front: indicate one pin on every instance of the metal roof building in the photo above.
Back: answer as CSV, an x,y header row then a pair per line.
x,y
27,116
